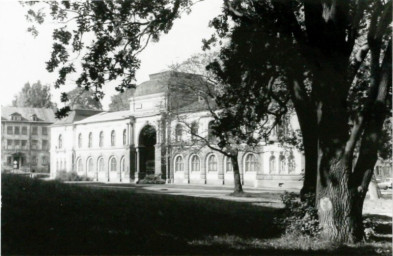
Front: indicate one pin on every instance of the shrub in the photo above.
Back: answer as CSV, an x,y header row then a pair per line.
x,y
152,179
299,217
70,176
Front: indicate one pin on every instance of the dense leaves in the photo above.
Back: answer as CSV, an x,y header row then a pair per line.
x,y
34,96
105,37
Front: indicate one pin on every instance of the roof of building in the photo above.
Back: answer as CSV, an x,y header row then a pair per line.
x,y
106,116
76,115
159,82
42,114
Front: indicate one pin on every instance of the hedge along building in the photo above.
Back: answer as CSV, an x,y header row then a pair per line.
x,y
125,146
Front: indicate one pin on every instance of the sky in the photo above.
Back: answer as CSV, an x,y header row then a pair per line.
x,y
23,57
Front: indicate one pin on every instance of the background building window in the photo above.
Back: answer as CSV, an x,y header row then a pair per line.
x,y
80,140
212,163
34,160
34,144
24,130
9,130
179,165
100,165
272,164
45,144
195,163
9,144
24,144
282,164
179,133
44,160
34,130
79,165
9,160
210,131
60,141
17,144
123,164
113,164
101,142
113,138
251,163
90,166
228,164
90,140
124,137
291,163
17,130
194,131
44,130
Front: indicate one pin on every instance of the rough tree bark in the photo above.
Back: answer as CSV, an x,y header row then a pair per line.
x,y
236,174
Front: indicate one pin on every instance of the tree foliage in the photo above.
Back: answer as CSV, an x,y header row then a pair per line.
x,y
105,36
33,96
121,101
333,59
79,98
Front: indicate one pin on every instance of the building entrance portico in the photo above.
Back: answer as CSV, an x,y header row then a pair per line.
x,y
146,151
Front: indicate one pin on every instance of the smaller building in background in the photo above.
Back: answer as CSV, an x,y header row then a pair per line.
x,y
25,138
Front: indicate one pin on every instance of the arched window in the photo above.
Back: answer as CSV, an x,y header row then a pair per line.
x,y
282,164
195,164
228,164
60,141
272,164
89,165
79,165
90,140
179,165
251,163
100,165
123,164
212,163
291,163
179,133
112,164
80,140
194,130
124,137
210,134
113,137
101,142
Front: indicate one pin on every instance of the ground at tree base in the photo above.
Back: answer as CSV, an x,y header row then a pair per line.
x,y
54,218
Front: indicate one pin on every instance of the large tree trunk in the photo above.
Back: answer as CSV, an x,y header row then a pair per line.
x,y
236,175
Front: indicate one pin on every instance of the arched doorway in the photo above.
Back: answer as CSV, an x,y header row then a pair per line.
x,y
147,141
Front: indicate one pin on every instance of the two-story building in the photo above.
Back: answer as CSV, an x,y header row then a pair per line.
x,y
25,138
148,138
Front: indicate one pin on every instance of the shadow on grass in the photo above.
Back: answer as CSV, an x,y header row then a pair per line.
x,y
54,218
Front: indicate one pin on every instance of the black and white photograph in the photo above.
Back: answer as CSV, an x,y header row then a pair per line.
x,y
196,127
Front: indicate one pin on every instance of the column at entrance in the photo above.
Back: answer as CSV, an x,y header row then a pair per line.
x,y
157,159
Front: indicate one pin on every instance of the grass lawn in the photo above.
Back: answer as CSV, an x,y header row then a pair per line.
x,y
54,218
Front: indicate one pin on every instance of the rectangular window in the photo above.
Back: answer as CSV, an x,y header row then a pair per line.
x,y
17,144
45,144
17,131
9,144
44,130
24,130
34,144
34,131
9,160
44,160
34,160
9,129
24,143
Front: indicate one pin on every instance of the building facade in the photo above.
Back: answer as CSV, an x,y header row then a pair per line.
x,y
125,146
25,138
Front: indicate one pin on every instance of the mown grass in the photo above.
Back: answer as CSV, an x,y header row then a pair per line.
x,y
54,218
